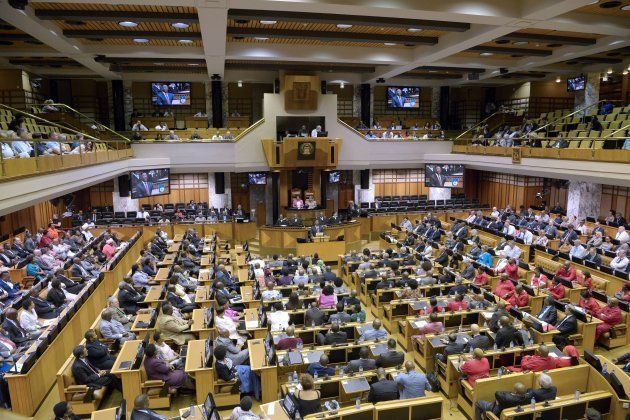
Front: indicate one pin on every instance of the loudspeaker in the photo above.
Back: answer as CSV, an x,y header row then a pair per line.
x,y
276,86
323,87
123,185
219,182
503,70
365,179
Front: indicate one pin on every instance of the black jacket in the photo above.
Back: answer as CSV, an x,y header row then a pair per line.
x,y
16,333
480,341
314,315
390,358
336,338
88,375
507,399
454,348
129,300
146,415
507,335
549,314
56,297
383,390
544,394
567,326
224,373
98,355
442,259
494,320
45,310
71,285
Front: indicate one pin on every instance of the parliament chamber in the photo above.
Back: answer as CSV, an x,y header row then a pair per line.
x,y
328,209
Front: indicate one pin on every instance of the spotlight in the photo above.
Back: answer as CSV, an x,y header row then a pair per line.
x,y
610,71
558,80
342,85
240,83
18,4
605,78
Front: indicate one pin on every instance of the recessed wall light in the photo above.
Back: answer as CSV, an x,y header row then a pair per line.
x,y
140,40
239,83
180,25
520,42
268,22
558,79
128,24
486,54
624,72
605,78
390,44
342,85
193,64
626,7
185,41
261,38
414,30
344,26
609,71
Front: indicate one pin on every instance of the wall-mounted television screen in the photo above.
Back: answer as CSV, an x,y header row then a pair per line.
x,y
443,176
576,83
403,97
170,93
257,178
149,183
334,177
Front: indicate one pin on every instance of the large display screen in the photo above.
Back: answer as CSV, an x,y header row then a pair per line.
x,y
403,97
443,176
576,83
149,183
170,93
257,178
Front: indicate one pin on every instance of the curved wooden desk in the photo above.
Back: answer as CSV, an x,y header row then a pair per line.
x,y
276,239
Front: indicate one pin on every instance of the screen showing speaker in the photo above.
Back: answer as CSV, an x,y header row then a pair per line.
x,y
577,83
403,97
334,177
443,175
170,93
257,178
149,183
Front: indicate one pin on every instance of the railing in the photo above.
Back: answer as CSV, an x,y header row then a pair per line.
x,y
488,118
205,135
21,158
397,139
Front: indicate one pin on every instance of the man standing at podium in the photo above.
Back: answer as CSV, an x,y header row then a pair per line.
x,y
316,228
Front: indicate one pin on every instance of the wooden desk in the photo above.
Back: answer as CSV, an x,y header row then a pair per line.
x,y
198,326
283,240
173,248
327,251
131,379
204,376
268,374
272,411
162,275
140,332
154,296
238,122
178,237
562,405
169,259
196,122
198,414
106,414
202,296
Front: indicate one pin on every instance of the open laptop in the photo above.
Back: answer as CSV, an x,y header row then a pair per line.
x,y
289,404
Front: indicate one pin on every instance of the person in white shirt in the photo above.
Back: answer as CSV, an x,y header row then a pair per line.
x,y
620,262
172,136
278,319
28,317
527,236
225,322
541,239
471,218
512,251
407,225
144,215
495,212
166,352
270,293
622,236
508,229
138,126
161,127
316,131
217,136
7,152
21,143
577,250
582,228
85,231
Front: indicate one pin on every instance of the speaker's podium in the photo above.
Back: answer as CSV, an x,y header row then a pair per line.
x,y
302,152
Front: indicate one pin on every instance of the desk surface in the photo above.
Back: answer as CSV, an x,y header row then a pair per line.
x,y
127,353
273,411
106,414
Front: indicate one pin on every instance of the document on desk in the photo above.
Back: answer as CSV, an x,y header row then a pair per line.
x,y
419,324
487,314
312,356
251,324
355,385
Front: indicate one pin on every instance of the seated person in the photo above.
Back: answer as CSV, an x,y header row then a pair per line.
x,y
434,326
556,289
227,371
289,342
519,297
86,374
341,316
548,313
611,315
314,316
29,321
308,399
297,203
363,362
478,340
235,352
475,367
505,287
279,319
15,333
539,280
566,327
112,329
411,383
507,334
567,272
158,369
537,362
383,389
129,299
98,353
244,410
333,336
391,357
358,314
270,293
321,368
457,305
624,293
546,390
503,400
570,357
374,333
327,299
175,328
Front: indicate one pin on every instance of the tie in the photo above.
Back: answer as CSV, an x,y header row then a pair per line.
x,y
90,367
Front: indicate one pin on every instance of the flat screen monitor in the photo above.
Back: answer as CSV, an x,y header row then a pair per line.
x,y
209,406
290,405
334,177
593,360
170,93
617,385
257,178
403,97
149,183
576,83
121,412
443,175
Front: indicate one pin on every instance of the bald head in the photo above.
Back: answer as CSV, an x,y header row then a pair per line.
x,y
474,329
519,388
543,350
376,324
478,354
504,320
409,366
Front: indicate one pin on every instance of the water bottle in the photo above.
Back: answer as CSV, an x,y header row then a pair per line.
x,y
577,395
500,372
192,411
357,403
289,378
341,372
533,403
605,368
313,324
360,369
295,377
315,375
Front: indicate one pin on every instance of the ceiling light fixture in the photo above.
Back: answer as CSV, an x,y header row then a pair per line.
x,y
158,64
558,79
193,64
625,72
342,85
390,44
140,40
239,83
626,7
414,30
609,71
180,25
520,43
344,26
619,41
486,54
185,41
128,24
261,38
268,22
605,78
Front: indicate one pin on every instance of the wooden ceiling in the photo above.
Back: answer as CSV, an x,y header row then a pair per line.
x,y
600,8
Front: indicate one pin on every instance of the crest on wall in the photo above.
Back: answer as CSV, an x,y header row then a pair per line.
x,y
300,92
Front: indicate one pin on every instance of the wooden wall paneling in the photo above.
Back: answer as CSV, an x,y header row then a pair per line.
x,y
240,189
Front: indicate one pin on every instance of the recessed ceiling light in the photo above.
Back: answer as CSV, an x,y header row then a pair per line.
x,y
414,29
140,40
261,38
610,4
610,71
558,79
193,64
520,43
605,78
268,22
128,24
344,26
626,7
342,85
158,64
239,83
486,54
185,41
390,44
180,25
624,72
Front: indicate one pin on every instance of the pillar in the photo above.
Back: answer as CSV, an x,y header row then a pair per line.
x,y
362,195
435,103
439,193
366,104
584,199
217,104
128,102
124,203
208,95
588,96
224,103
356,101
217,200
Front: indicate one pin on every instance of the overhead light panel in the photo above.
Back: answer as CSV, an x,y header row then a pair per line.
x,y
520,42
344,26
390,44
140,40
128,24
185,41
414,30
261,38
342,85
558,79
610,71
268,22
605,78
240,83
625,72
180,25
486,54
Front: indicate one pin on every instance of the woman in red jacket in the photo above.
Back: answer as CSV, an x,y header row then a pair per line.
x,y
588,303
476,368
511,269
571,357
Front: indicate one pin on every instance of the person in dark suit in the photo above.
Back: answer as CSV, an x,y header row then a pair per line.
x,y
129,299
546,392
17,334
453,347
77,270
569,236
442,258
178,302
71,286
141,409
164,97
86,374
45,310
335,336
478,341
97,352
144,187
10,288
548,313
55,295
566,327
436,179
391,357
593,256
316,228
363,361
314,315
384,389
499,313
507,334
396,97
